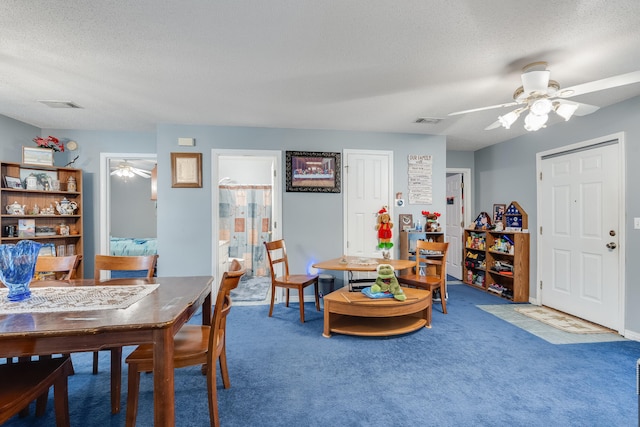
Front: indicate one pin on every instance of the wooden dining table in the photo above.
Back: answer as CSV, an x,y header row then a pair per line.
x,y
352,264
155,318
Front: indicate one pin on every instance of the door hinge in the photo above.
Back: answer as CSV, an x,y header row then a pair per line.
x,y
540,176
541,230
540,284
275,173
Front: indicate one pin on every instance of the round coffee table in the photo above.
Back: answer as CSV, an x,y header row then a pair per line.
x,y
353,313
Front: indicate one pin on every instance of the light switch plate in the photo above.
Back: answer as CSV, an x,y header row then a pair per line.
x,y
636,223
188,142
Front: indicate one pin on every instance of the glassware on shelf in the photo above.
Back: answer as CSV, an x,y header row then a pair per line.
x,y
17,266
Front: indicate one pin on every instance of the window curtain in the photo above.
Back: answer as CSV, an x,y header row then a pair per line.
x,y
245,221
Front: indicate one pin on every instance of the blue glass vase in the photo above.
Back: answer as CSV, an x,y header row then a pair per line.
x,y
17,265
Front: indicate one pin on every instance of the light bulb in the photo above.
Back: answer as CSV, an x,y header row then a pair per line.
x,y
566,110
535,122
508,119
541,107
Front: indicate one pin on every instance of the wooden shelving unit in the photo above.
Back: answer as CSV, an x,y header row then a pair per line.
x,y
408,241
498,262
43,198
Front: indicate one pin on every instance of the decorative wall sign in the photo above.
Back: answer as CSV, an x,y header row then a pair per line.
x,y
186,170
420,171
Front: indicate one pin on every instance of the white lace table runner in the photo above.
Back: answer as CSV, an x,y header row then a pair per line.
x,y
77,298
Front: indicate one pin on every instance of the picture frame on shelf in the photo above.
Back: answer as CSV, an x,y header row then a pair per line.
x,y
12,182
186,170
316,172
406,222
37,156
47,249
498,213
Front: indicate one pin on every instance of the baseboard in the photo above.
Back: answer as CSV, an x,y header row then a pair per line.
x,y
632,335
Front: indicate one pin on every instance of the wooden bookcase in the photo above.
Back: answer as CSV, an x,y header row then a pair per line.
x,y
487,257
48,226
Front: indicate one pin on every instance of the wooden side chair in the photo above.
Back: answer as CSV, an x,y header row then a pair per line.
x,y
193,345
63,266
26,380
277,254
429,272
120,263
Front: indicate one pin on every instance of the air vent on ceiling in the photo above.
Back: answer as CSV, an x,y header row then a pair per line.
x,y
428,120
60,104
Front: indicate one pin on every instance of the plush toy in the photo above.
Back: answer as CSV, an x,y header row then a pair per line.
x,y
387,282
432,224
384,227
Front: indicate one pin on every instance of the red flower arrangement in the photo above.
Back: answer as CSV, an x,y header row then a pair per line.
x,y
50,142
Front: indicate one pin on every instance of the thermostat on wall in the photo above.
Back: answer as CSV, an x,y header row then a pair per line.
x,y
189,142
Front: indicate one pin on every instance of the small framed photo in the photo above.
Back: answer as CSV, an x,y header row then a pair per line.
x,y
186,170
498,213
316,172
12,182
406,222
47,249
37,156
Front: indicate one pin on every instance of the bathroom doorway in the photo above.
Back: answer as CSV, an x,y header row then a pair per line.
x,y
246,212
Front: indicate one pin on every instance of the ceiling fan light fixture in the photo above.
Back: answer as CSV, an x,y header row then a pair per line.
x,y
508,119
541,107
534,122
566,110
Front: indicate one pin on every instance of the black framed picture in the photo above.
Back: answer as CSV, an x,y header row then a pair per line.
x,y
316,172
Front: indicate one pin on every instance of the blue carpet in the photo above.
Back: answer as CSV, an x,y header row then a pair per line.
x,y
471,368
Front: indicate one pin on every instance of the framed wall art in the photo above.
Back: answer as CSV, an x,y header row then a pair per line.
x,y
12,182
316,172
498,213
186,170
37,156
406,222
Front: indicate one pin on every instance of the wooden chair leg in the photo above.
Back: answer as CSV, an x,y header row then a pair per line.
x,y
315,289
132,395
41,403
116,378
301,298
273,295
287,304
443,300
224,371
214,418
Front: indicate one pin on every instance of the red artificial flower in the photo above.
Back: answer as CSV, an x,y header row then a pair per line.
x,y
50,142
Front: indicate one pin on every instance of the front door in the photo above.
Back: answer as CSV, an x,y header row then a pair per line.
x,y
579,240
367,177
454,227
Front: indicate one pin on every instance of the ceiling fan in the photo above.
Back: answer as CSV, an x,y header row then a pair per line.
x,y
539,95
126,170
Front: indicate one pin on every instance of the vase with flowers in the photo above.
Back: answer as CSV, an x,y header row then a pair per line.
x,y
49,142
431,221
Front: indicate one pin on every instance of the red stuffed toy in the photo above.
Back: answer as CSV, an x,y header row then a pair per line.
x,y
384,227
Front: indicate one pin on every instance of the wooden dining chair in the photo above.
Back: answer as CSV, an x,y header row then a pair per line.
x,y
277,254
120,263
26,380
193,345
64,267
430,271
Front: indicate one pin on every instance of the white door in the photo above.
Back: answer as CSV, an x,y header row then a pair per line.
x,y
367,182
579,240
455,224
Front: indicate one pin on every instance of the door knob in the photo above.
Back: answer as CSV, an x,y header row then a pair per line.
x,y
611,245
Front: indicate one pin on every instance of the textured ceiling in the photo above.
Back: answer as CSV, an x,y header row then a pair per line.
x,y
350,65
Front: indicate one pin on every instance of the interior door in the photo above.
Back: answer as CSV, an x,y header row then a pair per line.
x,y
580,234
454,226
367,177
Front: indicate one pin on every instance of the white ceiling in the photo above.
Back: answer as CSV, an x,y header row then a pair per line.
x,y
365,65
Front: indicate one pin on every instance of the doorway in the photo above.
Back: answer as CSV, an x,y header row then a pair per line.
x,y
581,234
458,214
138,220
246,212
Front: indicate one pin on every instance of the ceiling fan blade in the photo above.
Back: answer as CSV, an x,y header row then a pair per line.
x,y
585,109
141,172
491,107
114,172
608,83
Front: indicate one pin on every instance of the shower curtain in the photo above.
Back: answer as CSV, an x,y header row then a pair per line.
x,y
245,221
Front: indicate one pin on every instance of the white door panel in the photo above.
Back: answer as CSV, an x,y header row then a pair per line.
x,y
367,189
580,274
454,227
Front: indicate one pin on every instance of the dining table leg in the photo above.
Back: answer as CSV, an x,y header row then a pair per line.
x,y
163,378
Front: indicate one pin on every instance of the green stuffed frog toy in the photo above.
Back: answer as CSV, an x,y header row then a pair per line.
x,y
387,282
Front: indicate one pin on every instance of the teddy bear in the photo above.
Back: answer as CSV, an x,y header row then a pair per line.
x,y
384,227
432,224
387,282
